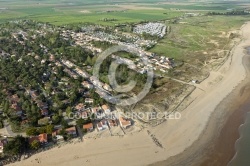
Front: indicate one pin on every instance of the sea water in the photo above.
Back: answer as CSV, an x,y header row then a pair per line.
x,y
242,156
242,145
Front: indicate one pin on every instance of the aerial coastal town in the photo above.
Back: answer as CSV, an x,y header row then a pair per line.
x,y
135,83
63,100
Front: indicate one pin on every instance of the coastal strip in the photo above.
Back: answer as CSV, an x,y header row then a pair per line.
x,y
176,136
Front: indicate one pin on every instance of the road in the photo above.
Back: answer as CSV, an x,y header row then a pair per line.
x,y
182,82
8,131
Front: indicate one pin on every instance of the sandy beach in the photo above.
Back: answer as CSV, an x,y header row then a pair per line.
x,y
216,145
223,147
186,137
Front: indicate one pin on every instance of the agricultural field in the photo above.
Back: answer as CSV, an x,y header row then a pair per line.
x,y
65,15
94,11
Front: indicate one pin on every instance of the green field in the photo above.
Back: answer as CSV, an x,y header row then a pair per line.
x,y
60,12
189,39
59,16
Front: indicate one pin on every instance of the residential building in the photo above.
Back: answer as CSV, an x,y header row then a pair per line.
x,y
56,132
16,109
84,115
3,142
42,138
80,107
102,125
71,131
95,110
89,100
14,98
87,85
44,112
88,127
106,109
107,87
125,123
112,123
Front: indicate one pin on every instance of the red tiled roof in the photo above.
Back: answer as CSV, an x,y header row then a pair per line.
x,y
124,121
41,138
71,130
88,126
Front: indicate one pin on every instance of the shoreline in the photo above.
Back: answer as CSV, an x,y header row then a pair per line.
x,y
207,149
235,160
216,144
177,136
225,144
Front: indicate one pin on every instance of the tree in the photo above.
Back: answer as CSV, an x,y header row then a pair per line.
x,y
73,97
6,106
68,111
82,121
64,123
33,108
60,112
88,61
15,146
43,121
31,131
1,124
62,132
42,130
35,145
49,129
55,119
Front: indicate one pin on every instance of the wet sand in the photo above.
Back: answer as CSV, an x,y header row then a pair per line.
x,y
216,146
223,149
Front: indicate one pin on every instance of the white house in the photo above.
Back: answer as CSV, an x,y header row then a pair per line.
x,y
89,100
106,109
102,125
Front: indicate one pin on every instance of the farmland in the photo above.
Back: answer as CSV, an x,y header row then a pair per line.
x,y
63,12
62,16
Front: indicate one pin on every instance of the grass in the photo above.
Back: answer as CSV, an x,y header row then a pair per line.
x,y
198,7
59,16
60,12
189,39
184,40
